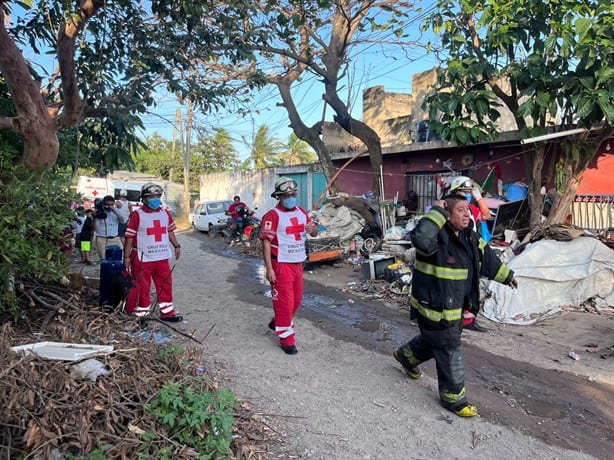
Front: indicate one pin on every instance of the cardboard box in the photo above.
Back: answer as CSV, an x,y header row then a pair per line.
x,y
374,269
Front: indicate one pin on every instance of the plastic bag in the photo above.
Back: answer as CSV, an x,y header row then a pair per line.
x,y
90,368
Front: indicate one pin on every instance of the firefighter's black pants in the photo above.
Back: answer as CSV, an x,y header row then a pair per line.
x,y
446,348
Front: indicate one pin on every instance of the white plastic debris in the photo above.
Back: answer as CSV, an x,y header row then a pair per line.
x,y
90,368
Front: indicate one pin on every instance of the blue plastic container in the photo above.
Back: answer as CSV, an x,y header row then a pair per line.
x,y
108,268
517,192
113,253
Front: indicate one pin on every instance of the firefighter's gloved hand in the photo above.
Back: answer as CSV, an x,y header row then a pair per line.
x,y
513,283
475,193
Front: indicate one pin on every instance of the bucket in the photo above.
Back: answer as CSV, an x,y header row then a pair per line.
x,y
517,192
113,253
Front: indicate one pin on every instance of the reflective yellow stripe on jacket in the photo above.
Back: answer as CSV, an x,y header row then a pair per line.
x,y
437,217
445,273
502,274
435,315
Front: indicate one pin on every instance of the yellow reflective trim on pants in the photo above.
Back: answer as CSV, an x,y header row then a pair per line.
x,y
450,397
436,217
435,315
444,273
502,274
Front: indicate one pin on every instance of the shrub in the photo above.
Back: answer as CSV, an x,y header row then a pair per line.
x,y
35,208
193,414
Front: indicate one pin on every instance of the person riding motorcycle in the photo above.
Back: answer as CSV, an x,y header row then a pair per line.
x,y
238,212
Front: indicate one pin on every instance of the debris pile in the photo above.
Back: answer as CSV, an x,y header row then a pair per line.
x,y
49,410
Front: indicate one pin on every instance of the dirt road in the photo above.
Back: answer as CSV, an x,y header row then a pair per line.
x,y
344,397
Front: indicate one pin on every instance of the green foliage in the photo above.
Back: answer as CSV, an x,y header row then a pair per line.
x,y
211,153
265,151
548,62
34,211
194,415
297,152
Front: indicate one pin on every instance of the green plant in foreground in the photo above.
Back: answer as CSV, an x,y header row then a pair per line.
x,y
195,415
35,208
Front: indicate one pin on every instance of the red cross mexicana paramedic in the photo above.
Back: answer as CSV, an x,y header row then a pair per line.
x,y
149,237
283,234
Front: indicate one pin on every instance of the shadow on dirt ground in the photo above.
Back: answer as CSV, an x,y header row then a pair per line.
x,y
558,407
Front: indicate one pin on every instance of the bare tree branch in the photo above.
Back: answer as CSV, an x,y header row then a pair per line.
x,y
67,35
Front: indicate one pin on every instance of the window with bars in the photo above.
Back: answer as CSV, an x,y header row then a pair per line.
x,y
426,187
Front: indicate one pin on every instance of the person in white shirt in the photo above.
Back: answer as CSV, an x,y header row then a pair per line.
x,y
123,208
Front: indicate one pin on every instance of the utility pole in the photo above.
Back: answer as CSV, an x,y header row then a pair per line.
x,y
178,123
186,160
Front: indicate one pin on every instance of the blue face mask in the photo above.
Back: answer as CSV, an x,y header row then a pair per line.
x,y
289,202
468,197
154,203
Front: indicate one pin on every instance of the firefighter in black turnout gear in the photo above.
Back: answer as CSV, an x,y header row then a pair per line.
x,y
450,259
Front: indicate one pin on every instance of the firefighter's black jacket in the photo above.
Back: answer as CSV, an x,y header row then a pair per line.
x,y
439,284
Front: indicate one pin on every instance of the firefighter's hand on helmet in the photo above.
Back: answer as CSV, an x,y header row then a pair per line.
x,y
476,194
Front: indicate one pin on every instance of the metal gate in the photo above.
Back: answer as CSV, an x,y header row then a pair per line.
x,y
593,212
425,186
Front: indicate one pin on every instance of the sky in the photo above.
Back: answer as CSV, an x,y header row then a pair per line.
x,y
395,76
370,66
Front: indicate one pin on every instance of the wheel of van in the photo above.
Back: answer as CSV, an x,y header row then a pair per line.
x,y
210,231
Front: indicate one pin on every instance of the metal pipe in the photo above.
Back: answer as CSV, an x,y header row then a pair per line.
x,y
546,137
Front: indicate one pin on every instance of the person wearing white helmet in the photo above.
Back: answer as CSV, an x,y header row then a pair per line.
x,y
465,186
149,238
283,234
123,208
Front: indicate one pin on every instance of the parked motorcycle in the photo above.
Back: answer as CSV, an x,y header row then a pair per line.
x,y
246,231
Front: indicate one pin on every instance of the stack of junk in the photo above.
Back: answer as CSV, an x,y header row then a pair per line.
x,y
555,266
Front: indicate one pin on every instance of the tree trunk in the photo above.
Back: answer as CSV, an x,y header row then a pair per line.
x,y
574,170
311,135
536,200
562,207
33,121
360,130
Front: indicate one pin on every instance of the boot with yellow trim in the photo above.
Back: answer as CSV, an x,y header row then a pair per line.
x,y
467,411
414,372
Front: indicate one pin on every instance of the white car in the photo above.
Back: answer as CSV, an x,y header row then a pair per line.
x,y
210,216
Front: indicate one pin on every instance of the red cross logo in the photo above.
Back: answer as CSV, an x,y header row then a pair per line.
x,y
295,229
95,193
157,230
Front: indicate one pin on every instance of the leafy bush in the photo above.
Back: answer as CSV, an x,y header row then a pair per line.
x,y
193,414
35,208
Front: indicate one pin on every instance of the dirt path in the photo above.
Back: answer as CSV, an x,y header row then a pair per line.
x,y
344,397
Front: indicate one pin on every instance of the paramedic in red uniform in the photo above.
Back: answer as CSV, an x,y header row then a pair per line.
x,y
150,243
283,234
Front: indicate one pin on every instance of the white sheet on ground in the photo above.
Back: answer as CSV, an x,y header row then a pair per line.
x,y
552,274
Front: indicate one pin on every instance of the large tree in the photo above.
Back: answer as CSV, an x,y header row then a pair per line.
x,y
299,39
109,57
551,63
